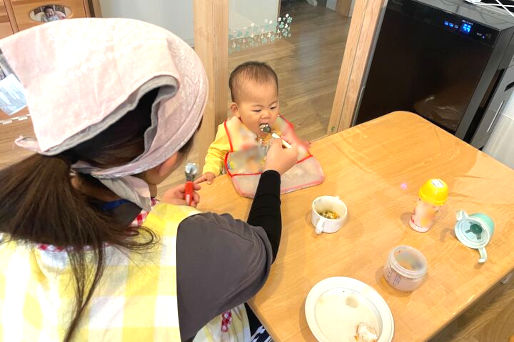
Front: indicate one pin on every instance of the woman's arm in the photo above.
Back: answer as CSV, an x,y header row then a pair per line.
x,y
222,262
265,211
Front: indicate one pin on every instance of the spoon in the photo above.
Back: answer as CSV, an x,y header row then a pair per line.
x,y
191,170
265,128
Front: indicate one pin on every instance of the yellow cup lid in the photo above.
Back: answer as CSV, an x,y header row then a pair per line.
x,y
434,191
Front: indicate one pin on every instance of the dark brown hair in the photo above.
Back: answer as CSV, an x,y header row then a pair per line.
x,y
256,71
38,204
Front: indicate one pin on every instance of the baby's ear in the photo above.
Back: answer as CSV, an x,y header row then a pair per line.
x,y
234,109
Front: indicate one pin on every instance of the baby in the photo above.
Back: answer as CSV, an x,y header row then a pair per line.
x,y
254,107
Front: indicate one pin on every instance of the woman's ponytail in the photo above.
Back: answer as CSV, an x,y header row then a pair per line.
x,y
39,204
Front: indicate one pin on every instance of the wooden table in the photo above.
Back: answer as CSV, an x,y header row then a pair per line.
x,y
377,169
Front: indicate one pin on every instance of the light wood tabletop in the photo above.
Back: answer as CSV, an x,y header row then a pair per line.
x,y
377,168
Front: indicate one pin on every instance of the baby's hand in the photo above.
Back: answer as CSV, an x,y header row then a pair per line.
x,y
208,176
177,194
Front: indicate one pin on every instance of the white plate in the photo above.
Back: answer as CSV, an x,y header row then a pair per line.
x,y
335,306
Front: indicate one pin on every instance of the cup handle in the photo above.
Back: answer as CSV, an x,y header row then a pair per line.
x,y
483,255
319,227
461,214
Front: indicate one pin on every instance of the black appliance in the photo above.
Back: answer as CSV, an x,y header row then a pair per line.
x,y
446,60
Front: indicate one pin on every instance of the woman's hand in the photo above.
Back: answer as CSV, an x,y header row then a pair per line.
x,y
290,136
176,195
280,159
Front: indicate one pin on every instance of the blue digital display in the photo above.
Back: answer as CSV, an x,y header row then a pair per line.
x,y
466,27
450,24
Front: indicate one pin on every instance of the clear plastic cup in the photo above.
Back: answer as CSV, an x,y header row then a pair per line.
x,y
406,268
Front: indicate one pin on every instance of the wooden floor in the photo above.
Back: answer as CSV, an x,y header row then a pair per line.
x,y
9,152
308,64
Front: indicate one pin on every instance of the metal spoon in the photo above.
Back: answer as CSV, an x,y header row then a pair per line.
x,y
265,128
191,170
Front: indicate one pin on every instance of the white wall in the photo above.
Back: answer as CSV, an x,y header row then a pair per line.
x,y
242,13
174,15
177,15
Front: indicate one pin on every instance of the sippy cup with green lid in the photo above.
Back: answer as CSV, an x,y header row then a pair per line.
x,y
474,231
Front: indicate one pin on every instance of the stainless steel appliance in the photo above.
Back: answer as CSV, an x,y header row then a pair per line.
x,y
446,60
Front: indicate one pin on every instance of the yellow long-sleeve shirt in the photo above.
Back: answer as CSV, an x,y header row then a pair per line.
x,y
217,151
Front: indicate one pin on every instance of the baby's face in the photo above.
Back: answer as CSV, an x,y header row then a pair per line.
x,y
257,104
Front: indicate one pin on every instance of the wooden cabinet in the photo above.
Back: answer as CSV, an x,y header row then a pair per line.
x,y
5,24
17,15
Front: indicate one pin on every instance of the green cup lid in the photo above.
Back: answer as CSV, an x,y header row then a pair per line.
x,y
471,231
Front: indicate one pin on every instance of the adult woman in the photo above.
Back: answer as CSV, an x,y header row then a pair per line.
x,y
112,118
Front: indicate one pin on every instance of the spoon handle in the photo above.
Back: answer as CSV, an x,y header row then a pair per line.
x,y
188,192
285,143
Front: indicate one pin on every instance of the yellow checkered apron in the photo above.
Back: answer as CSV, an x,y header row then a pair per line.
x,y
136,299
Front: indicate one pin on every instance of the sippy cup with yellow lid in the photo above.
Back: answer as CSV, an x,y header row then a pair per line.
x,y
432,195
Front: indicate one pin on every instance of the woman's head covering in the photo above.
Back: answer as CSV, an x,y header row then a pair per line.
x,y
82,75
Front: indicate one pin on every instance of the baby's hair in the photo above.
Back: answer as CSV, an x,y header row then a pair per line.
x,y
47,8
256,71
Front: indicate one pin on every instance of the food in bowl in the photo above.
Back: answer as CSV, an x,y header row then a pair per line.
x,y
329,214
